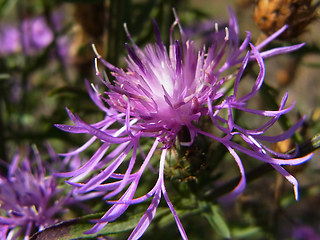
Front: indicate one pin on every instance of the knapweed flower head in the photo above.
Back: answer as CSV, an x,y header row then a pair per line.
x,y
30,199
162,92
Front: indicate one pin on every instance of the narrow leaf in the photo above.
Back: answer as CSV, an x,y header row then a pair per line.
x,y
217,222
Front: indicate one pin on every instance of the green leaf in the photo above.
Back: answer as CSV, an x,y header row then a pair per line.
x,y
250,232
74,229
217,222
6,6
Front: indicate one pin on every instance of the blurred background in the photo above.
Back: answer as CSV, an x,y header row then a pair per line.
x,y
46,55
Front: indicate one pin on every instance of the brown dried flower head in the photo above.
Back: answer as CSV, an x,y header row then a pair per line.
x,y
271,15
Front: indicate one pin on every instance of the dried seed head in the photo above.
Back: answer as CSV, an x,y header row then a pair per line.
x,y
271,15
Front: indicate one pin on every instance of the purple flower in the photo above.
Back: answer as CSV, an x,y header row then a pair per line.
x,y
162,92
9,40
31,36
305,233
30,198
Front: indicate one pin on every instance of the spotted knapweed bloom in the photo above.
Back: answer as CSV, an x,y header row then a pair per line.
x,y
30,199
162,92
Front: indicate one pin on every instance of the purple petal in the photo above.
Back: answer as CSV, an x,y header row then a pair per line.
x,y
242,183
147,217
280,50
271,37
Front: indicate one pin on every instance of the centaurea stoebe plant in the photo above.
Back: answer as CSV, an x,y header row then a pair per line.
x,y
30,199
161,93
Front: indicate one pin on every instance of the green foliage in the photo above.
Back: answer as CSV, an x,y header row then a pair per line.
x,y
217,222
74,229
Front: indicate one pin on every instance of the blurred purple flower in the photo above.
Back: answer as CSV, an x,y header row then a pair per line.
x,y
36,34
159,94
31,35
305,233
30,196
9,40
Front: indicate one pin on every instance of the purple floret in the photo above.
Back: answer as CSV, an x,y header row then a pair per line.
x,y
30,198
